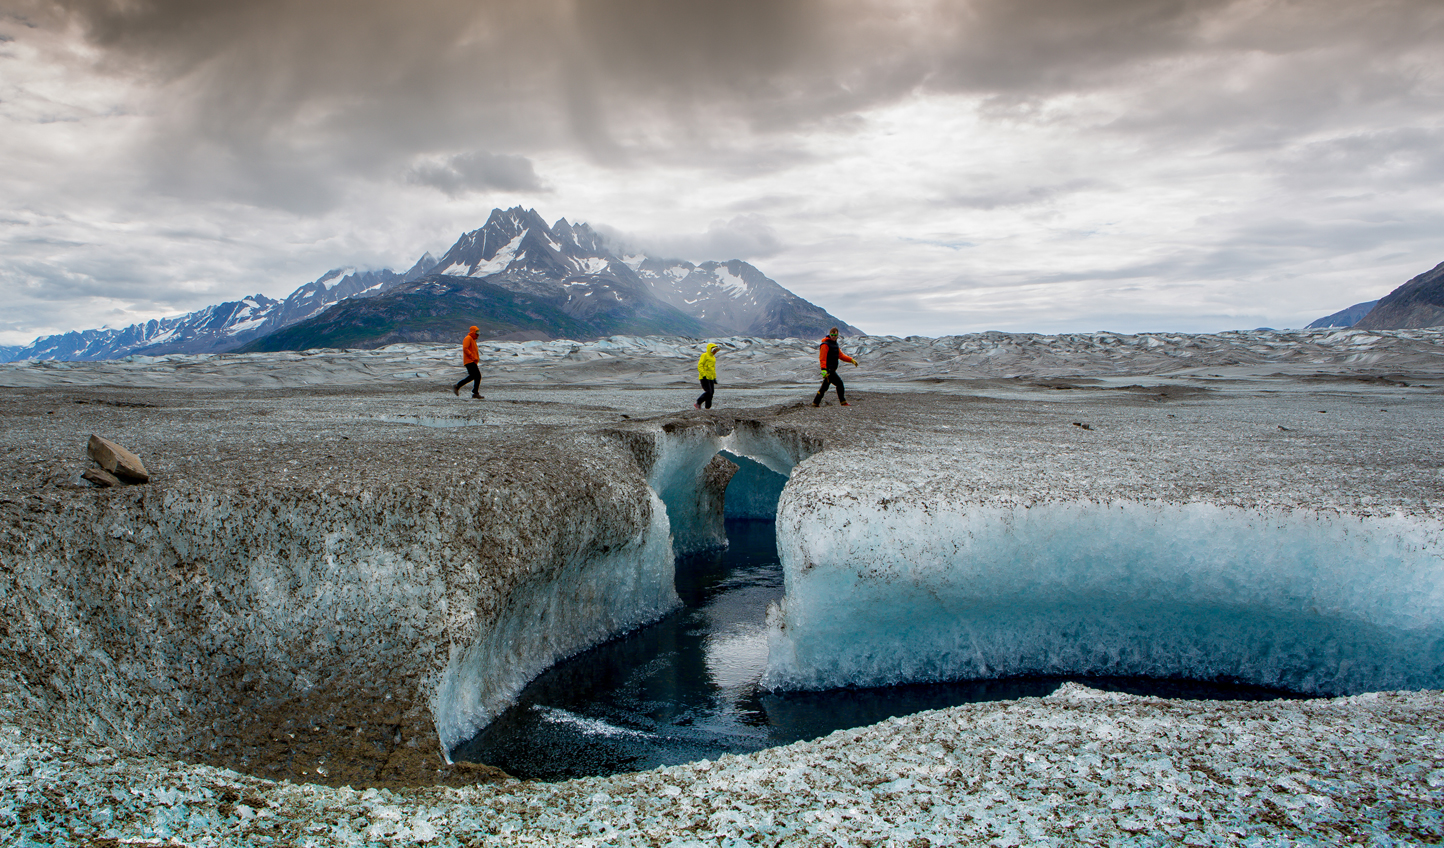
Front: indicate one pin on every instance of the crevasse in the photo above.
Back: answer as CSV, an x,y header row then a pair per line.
x,y
591,600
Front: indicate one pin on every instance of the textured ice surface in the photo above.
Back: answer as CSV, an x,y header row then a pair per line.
x,y
750,362
1077,767
589,600
131,618
935,587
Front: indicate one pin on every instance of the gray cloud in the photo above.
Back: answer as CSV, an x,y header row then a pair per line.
x,y
268,84
1019,195
1247,138
475,171
747,236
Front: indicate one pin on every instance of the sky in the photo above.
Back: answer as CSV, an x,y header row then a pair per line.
x,y
917,168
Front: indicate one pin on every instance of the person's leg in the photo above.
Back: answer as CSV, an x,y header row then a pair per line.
x,y
705,396
708,387
473,372
837,381
822,390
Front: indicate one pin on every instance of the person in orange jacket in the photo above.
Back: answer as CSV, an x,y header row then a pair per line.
x,y
471,359
828,354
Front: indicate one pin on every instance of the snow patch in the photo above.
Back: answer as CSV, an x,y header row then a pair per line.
x,y
735,285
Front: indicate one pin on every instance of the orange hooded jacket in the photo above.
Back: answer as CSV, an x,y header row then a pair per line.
x,y
469,353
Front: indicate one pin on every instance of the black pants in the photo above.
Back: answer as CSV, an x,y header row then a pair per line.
x,y
473,373
830,379
707,388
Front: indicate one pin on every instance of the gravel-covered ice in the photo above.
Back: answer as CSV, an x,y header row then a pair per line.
x,y
349,530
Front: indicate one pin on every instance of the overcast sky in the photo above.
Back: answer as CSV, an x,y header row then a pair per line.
x,y
917,168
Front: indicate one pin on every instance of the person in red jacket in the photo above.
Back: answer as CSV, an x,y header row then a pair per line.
x,y
828,354
471,359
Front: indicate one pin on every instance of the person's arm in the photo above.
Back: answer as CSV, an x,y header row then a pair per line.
x,y
822,357
845,358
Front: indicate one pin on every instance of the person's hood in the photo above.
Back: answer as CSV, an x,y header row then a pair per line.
x,y
475,329
712,348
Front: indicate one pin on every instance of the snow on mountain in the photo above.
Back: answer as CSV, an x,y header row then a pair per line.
x,y
219,328
517,250
569,266
737,299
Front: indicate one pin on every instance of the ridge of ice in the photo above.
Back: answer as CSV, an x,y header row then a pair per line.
x,y
924,589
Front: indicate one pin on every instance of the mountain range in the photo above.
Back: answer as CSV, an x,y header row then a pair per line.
x,y
515,278
1417,303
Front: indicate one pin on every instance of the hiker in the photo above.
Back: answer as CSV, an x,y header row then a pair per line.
x,y
707,373
470,358
827,356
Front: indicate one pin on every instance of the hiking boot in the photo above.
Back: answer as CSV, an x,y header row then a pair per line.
x,y
456,390
478,397
844,403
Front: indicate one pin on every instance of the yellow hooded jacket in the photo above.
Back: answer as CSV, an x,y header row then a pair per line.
x,y
707,364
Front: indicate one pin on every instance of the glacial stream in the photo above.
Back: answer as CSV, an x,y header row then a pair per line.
x,y
686,688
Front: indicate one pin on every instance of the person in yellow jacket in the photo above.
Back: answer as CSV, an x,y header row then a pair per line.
x,y
707,373
471,358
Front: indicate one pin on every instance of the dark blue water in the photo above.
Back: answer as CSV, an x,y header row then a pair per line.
x,y
686,688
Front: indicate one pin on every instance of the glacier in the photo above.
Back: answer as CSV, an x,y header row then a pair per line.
x,y
275,638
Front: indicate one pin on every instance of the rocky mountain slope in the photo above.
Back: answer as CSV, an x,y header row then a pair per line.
x,y
1344,317
1417,303
517,278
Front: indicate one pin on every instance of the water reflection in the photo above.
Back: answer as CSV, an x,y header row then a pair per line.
x,y
686,689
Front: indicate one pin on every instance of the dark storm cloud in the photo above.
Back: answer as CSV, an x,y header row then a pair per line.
x,y
478,170
266,100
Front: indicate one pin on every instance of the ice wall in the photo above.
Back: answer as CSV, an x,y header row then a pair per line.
x,y
584,603
686,479
933,588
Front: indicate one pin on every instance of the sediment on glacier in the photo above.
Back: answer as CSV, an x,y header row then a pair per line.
x,y
306,590
352,615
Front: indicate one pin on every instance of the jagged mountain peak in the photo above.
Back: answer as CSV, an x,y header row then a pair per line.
x,y
568,268
422,267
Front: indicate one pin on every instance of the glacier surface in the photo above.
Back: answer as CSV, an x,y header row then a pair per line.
x,y
315,552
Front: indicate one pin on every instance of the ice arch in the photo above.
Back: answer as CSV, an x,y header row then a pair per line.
x,y
925,587
693,473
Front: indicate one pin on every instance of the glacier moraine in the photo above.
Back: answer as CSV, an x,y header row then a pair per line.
x,y
339,570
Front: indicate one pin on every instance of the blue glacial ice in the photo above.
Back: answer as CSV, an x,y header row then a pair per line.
x,y
1310,601
586,602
